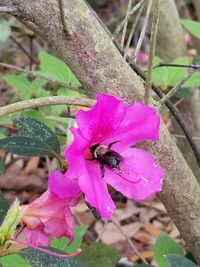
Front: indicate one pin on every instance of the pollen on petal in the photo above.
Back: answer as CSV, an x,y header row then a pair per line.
x,y
144,179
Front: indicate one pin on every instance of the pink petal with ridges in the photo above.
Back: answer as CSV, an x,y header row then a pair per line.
x,y
95,189
140,175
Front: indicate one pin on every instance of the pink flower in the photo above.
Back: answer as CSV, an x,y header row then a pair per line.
x,y
105,135
48,216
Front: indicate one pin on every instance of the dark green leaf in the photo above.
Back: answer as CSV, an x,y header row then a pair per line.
x,y
78,237
179,261
13,260
3,207
35,129
189,256
192,26
25,146
196,59
143,265
41,259
165,246
5,30
2,166
98,255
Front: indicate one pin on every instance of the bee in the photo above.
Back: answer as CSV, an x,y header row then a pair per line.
x,y
106,156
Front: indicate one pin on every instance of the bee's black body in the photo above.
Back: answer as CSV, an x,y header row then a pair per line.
x,y
105,156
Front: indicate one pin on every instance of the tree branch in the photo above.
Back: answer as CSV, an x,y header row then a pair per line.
x,y
45,101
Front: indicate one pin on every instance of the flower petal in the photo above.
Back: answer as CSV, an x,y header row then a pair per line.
x,y
95,189
62,185
141,122
102,119
61,227
36,236
74,153
140,176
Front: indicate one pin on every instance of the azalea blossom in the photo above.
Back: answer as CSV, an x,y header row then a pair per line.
x,y
103,152
48,216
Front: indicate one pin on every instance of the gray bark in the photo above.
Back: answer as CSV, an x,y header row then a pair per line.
x,y
170,29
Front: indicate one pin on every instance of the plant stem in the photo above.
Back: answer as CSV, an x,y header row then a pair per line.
x,y
126,23
137,49
63,19
45,101
191,66
154,30
176,88
133,10
133,29
38,75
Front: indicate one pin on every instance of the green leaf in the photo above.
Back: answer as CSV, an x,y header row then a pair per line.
x,y
165,246
68,92
63,120
179,261
40,259
38,83
192,26
184,92
2,166
2,135
26,146
32,128
98,255
78,237
5,30
3,207
13,260
166,77
21,83
56,69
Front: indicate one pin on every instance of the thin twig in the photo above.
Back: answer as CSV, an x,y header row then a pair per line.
x,y
106,223
139,44
37,75
22,48
172,108
154,30
191,66
176,88
63,19
130,242
31,50
45,101
133,10
126,23
133,29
